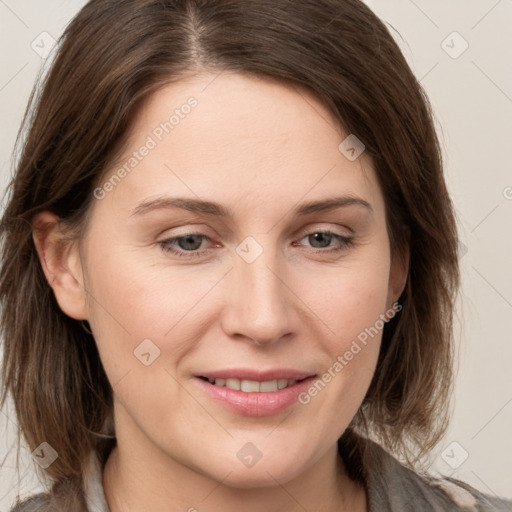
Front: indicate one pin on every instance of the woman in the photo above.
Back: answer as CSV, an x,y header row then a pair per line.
x,y
229,265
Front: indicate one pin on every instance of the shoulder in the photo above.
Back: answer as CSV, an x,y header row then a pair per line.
x,y
469,498
48,502
392,486
73,495
413,491
36,503
65,496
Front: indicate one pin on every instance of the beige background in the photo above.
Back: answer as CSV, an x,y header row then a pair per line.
x,y
471,93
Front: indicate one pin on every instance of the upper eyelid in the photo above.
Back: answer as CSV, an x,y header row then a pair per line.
x,y
311,229
315,229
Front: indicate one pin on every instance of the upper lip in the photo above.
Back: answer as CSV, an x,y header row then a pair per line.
x,y
257,375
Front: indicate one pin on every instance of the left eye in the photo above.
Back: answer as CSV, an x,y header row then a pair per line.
x,y
324,239
192,244
184,245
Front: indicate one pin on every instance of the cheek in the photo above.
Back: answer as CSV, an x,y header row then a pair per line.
x,y
348,299
131,300
354,317
350,304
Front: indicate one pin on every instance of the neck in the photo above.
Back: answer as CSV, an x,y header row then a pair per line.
x,y
134,482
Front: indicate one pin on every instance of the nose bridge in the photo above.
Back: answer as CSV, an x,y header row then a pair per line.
x,y
259,304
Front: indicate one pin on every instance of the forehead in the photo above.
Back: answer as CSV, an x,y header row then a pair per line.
x,y
237,139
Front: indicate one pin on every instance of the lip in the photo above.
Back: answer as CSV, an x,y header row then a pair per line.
x,y
258,403
260,376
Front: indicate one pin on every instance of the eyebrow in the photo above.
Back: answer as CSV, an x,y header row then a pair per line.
x,y
215,209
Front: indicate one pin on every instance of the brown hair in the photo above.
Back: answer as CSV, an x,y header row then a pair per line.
x,y
115,53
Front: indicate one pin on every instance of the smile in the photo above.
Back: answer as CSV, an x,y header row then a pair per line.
x,y
252,393
252,386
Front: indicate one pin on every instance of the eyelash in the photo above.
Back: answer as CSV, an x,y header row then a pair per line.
x,y
167,245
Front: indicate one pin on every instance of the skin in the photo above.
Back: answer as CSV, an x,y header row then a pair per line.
x,y
259,148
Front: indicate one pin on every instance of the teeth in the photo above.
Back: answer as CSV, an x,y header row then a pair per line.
x,y
252,386
269,385
232,384
282,383
249,386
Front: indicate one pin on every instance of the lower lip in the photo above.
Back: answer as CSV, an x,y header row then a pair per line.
x,y
258,403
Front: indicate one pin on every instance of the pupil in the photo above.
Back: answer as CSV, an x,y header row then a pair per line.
x,y
321,237
186,242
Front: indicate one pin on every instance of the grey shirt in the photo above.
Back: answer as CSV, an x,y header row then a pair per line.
x,y
390,487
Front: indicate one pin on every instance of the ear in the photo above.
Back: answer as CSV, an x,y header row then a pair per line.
x,y
398,273
60,260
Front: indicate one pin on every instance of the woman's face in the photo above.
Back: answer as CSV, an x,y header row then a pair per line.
x,y
214,256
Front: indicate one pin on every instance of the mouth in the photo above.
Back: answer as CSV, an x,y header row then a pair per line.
x,y
253,386
254,393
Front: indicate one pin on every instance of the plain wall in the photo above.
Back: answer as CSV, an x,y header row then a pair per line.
x,y
471,94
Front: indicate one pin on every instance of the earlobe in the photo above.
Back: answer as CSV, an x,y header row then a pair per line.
x,y
60,261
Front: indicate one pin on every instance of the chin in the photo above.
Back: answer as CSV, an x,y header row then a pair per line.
x,y
259,476
266,469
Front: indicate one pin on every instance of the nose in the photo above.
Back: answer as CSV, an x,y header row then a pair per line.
x,y
259,305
